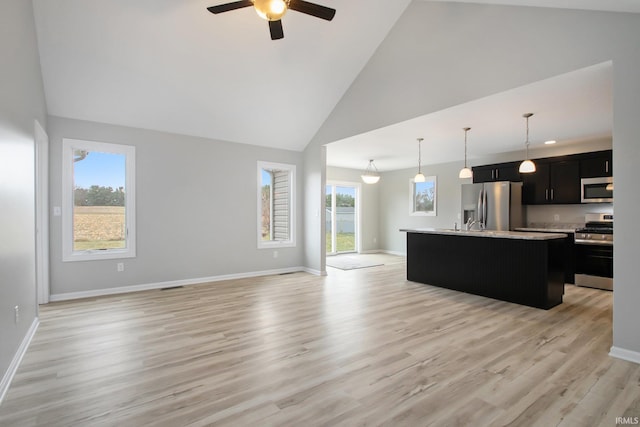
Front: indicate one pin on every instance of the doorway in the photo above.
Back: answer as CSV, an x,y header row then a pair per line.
x,y
342,219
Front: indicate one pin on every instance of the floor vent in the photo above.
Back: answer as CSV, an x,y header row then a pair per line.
x,y
171,287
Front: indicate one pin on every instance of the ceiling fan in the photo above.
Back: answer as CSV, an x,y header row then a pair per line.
x,y
273,10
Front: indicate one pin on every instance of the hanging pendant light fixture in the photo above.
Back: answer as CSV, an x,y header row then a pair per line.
x,y
527,166
465,172
370,175
419,176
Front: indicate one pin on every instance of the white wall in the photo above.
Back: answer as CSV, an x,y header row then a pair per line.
x,y
21,101
443,54
395,197
369,206
196,210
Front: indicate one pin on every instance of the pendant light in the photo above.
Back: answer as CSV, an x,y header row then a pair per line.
x,y
370,175
465,172
527,166
419,176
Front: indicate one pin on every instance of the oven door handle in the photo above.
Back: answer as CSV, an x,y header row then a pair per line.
x,y
593,242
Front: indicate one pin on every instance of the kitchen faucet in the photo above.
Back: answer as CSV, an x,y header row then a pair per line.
x,y
470,223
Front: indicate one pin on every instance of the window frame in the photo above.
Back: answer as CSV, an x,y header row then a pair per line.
x,y
412,197
68,148
271,244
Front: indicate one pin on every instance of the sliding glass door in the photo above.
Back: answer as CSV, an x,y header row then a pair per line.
x,y
341,217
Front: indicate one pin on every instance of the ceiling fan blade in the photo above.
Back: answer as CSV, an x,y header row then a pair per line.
x,y
312,9
230,6
276,30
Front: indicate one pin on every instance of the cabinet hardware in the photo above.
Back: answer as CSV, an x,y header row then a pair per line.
x,y
546,194
552,194
606,166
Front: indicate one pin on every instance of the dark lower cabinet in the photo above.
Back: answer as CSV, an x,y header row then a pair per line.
x,y
528,272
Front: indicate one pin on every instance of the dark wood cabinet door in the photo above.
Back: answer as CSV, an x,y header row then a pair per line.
x,y
600,164
497,172
564,182
483,174
508,172
535,187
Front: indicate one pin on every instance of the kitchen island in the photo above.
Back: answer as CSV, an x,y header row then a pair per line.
x,y
520,267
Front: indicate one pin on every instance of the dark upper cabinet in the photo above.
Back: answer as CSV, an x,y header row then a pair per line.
x,y
597,164
497,172
554,182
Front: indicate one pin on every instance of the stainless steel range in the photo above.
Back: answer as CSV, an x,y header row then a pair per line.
x,y
594,252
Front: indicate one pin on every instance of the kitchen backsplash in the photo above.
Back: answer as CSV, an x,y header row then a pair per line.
x,y
563,216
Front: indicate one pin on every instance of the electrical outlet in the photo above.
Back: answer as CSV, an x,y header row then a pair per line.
x,y
16,314
556,217
275,254
375,240
120,266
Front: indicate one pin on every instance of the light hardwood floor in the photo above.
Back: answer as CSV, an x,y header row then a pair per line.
x,y
360,347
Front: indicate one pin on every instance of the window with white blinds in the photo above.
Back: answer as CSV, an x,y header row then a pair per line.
x,y
276,190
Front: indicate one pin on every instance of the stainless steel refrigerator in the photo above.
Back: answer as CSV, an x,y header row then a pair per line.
x,y
495,205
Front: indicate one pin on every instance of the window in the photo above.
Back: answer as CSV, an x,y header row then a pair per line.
x,y
276,201
423,197
98,196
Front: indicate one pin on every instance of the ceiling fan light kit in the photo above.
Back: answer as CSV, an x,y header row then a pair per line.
x,y
274,10
271,10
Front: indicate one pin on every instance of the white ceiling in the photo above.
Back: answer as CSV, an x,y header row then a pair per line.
x,y
172,66
570,108
607,5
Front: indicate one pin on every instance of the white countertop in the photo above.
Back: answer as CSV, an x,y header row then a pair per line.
x,y
522,235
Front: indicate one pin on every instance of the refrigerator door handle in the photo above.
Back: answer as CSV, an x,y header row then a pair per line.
x,y
484,209
479,218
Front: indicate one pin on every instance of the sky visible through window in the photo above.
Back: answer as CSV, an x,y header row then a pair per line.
x,y
103,169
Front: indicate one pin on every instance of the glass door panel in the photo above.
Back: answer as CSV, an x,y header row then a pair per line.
x,y
345,223
341,219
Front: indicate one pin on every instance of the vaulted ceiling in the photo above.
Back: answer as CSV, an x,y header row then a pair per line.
x,y
172,66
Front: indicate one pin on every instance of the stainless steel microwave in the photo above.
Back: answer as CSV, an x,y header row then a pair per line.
x,y
597,190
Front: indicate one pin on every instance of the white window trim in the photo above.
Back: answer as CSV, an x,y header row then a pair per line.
x,y
412,195
68,147
272,244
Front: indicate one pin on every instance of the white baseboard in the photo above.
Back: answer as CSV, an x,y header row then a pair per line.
x,y
314,271
170,284
624,354
17,358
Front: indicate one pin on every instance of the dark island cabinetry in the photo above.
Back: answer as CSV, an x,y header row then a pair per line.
x,y
522,271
